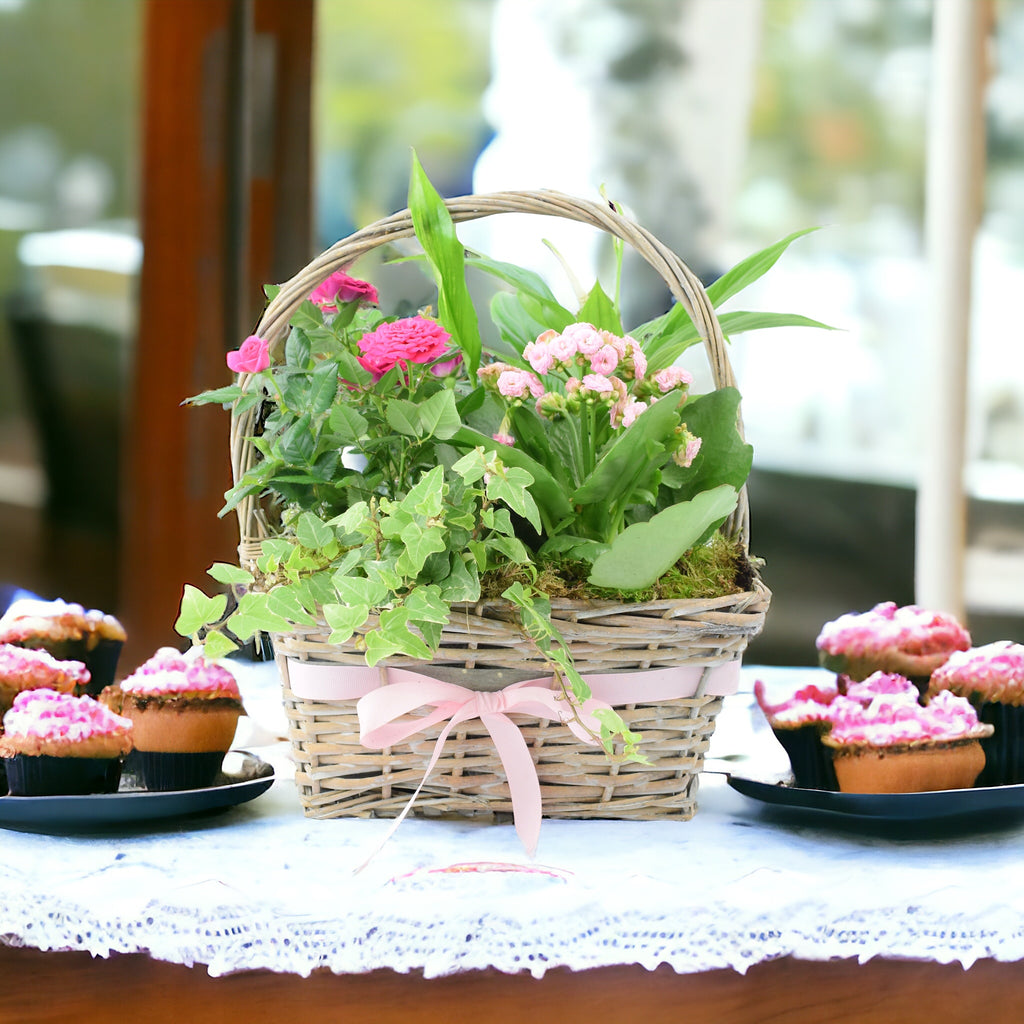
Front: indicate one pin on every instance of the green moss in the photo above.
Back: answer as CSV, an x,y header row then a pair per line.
x,y
719,567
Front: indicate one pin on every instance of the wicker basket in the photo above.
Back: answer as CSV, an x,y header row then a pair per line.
x,y
337,775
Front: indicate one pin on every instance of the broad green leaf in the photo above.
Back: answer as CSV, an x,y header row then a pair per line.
x,y
297,348
436,233
526,283
582,548
643,552
666,338
747,271
739,322
297,444
307,317
198,610
599,310
232,575
312,532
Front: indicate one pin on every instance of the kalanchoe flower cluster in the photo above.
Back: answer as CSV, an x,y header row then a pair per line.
x,y
590,368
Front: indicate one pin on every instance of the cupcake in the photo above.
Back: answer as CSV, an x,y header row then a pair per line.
x,y
69,633
798,724
896,746
23,669
992,679
184,711
908,641
55,743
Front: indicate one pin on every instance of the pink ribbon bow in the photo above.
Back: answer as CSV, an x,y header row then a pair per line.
x,y
386,696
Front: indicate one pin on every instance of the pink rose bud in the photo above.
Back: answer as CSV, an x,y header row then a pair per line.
x,y
252,356
339,287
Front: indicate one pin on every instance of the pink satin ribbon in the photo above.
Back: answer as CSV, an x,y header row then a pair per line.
x,y
386,696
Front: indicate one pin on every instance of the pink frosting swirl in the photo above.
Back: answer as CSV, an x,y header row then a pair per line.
x,y
808,704
888,684
996,667
49,715
39,666
910,628
168,672
890,719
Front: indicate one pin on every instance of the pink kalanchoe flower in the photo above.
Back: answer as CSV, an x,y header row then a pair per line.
x,y
585,337
252,356
518,383
617,343
687,451
339,287
572,385
490,373
631,411
563,349
672,377
506,439
412,340
538,355
638,359
598,383
604,360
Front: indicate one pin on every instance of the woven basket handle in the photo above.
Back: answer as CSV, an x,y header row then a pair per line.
x,y
681,281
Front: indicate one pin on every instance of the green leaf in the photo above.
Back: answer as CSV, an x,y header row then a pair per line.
x,y
425,497
527,283
348,424
749,270
344,620
312,532
599,310
643,552
462,582
297,444
425,604
438,416
359,591
198,610
308,317
420,542
739,322
297,348
404,417
220,396
283,601
254,615
436,233
224,572
217,645
323,387
511,488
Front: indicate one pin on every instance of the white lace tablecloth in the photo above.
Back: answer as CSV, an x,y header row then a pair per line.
x,y
261,886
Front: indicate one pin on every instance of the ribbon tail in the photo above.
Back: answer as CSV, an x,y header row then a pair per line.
x,y
438,746
523,784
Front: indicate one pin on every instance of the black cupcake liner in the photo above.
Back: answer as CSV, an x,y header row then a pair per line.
x,y
45,775
161,771
1004,749
810,759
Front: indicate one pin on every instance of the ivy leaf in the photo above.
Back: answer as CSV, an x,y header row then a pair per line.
x,y
282,600
462,582
344,620
419,543
312,532
217,645
254,615
198,610
511,488
231,575
425,604
359,591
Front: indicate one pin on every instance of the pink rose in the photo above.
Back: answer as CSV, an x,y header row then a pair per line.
x,y
412,340
252,356
339,287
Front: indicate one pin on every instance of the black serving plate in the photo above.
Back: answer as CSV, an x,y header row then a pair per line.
x,y
887,808
244,777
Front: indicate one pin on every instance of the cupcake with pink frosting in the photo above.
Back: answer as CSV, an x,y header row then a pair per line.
x,y
798,723
56,743
909,641
25,669
894,745
185,712
991,677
